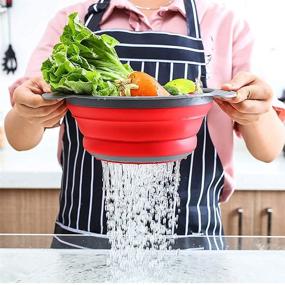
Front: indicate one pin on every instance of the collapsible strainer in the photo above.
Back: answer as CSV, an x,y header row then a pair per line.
x,y
138,129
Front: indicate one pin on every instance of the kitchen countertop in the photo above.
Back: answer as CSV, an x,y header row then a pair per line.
x,y
51,265
39,168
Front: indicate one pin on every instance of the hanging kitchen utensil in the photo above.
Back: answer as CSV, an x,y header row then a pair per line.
x,y
10,63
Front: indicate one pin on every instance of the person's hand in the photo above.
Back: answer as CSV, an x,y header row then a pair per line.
x,y
29,104
254,98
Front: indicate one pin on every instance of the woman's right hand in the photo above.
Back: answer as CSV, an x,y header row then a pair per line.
x,y
30,105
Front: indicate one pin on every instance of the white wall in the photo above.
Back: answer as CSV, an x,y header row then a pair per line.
x,y
267,20
29,18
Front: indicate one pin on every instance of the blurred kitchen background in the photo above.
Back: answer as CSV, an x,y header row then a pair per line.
x,y
34,177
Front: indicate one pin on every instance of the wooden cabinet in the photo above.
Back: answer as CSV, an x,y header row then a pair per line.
x,y
255,213
238,214
35,210
270,213
28,210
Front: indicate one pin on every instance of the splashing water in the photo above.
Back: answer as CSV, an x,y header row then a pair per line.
x,y
141,206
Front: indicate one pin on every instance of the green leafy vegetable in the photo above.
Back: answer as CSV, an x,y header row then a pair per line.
x,y
84,63
172,90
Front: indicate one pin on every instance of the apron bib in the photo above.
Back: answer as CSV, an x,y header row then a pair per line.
x,y
165,56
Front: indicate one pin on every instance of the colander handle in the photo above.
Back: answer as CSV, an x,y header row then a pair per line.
x,y
209,92
54,96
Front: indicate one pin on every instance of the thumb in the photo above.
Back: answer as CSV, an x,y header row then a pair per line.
x,y
40,85
240,80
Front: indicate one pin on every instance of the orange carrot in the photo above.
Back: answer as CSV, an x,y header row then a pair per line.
x,y
141,84
147,85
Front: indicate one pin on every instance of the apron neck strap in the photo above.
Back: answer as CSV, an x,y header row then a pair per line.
x,y
192,19
96,12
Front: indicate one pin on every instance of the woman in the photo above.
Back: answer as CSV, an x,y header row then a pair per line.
x,y
167,45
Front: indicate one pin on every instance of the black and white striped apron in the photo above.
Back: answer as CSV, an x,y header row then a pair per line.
x,y
165,56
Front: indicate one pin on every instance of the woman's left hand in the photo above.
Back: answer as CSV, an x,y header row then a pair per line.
x,y
254,98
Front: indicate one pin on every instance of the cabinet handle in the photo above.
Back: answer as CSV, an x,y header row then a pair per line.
x,y
240,222
269,212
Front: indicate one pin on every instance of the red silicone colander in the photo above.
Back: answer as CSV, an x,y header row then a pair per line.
x,y
138,129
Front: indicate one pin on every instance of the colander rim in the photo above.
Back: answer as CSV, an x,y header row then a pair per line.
x,y
130,101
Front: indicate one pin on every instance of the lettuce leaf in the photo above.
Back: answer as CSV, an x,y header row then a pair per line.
x,y
84,63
